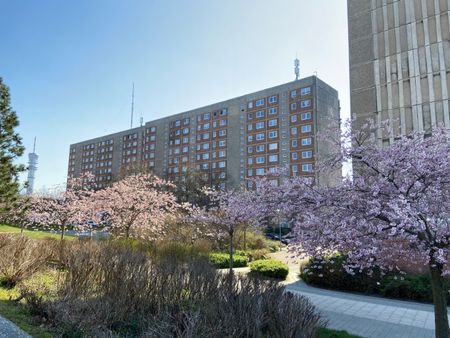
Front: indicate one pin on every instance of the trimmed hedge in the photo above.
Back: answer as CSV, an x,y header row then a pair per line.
x,y
222,260
329,273
270,268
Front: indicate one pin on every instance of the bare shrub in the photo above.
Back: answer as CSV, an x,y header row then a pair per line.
x,y
111,290
21,257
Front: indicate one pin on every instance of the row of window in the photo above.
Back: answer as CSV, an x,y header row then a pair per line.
x,y
149,155
214,154
130,137
207,116
88,146
304,142
304,154
261,136
87,153
150,130
222,123
104,171
177,150
306,168
303,129
262,159
206,136
104,157
103,164
178,141
178,131
129,145
104,150
303,92
176,160
105,143
303,104
303,117
207,145
262,113
177,123
261,102
262,147
262,124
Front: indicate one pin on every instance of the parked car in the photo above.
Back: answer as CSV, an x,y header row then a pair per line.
x,y
287,239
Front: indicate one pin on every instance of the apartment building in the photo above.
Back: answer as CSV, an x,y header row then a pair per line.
x,y
228,142
400,63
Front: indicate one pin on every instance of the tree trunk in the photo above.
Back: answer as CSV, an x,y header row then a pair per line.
x,y
439,300
63,228
245,238
231,233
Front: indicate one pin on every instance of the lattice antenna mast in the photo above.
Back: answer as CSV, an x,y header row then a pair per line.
x,y
297,68
32,167
132,106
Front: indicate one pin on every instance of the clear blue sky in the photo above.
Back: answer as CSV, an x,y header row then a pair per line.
x,y
70,64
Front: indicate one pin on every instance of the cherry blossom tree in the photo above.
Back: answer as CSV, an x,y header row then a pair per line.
x,y
230,209
63,206
396,206
137,206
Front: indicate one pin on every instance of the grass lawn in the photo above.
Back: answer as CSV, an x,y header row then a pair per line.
x,y
32,233
328,333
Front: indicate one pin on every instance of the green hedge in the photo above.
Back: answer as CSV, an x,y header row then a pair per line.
x,y
329,273
270,268
222,260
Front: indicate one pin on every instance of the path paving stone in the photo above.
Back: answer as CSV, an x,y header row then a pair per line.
x,y
370,317
10,330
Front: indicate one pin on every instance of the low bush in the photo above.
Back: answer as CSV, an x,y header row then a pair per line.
x,y
21,257
270,268
111,291
222,260
329,273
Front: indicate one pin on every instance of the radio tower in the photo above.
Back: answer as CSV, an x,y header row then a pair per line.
x,y
297,68
32,167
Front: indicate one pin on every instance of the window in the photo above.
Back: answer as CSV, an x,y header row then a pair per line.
x,y
223,123
250,138
273,99
260,137
206,126
206,116
272,123
306,141
307,154
205,136
250,105
260,113
222,175
177,123
222,143
249,127
205,146
294,143
250,161
259,103
273,146
185,149
249,150
214,124
260,159
260,171
222,153
306,128
293,130
223,112
273,158
260,148
222,164
293,118
273,134
222,132
259,125
307,167
273,110
294,156
250,116
293,94
205,156
186,121
185,139
305,91
205,166
294,168
306,103
198,146
250,172
306,116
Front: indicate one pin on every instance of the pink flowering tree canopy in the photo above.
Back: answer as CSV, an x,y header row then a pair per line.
x,y
64,206
137,206
229,210
396,206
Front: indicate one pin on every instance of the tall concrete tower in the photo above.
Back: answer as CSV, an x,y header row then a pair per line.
x,y
32,167
400,63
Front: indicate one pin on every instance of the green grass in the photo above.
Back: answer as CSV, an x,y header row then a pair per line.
x,y
328,333
37,234
18,314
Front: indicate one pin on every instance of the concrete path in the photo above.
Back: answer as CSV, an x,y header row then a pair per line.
x,y
10,330
370,316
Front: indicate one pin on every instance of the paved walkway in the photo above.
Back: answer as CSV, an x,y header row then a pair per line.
x,y
10,330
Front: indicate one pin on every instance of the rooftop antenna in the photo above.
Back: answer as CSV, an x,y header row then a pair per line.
x,y
141,120
32,167
132,106
297,68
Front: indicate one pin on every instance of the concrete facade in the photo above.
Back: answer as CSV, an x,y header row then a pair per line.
x,y
400,63
228,141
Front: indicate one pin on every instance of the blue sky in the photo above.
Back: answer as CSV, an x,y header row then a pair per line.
x,y
70,64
